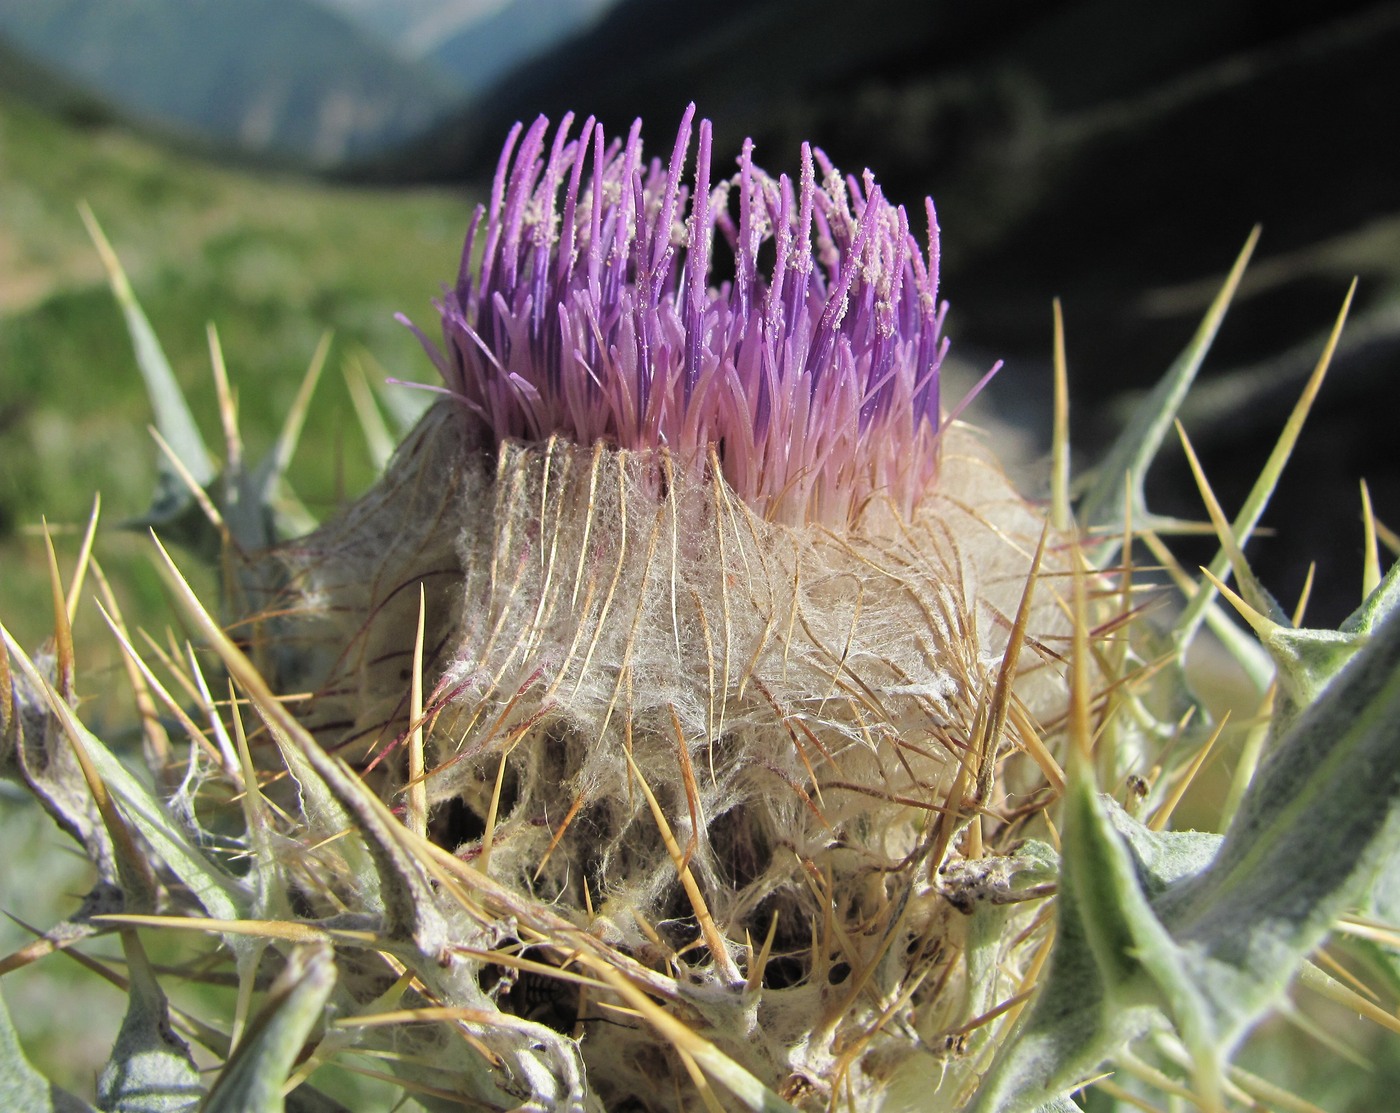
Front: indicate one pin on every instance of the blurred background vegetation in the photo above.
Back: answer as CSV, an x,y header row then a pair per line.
x,y
285,168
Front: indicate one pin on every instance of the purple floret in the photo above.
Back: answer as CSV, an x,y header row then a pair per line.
x,y
589,306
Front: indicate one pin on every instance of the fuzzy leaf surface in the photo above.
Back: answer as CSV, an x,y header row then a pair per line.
x,y
1320,822
34,752
150,1070
1307,660
1100,991
1204,932
253,1078
221,894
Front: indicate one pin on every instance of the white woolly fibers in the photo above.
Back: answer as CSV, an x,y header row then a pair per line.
x,y
798,700
791,688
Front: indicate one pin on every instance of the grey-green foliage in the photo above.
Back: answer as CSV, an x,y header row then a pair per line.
x,y
223,896
1164,928
1307,660
255,1075
988,890
172,415
1185,929
150,1070
1321,817
253,503
1124,467
24,1088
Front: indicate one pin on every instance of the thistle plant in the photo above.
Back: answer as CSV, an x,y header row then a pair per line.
x,y
695,716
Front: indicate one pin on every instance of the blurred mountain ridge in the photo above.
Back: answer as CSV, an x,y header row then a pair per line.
x,y
288,79
472,43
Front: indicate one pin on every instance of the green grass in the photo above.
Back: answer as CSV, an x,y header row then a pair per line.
x,y
272,261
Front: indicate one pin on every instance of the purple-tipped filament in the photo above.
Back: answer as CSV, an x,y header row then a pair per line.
x,y
607,298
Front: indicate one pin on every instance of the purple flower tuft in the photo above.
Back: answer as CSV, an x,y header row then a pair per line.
x,y
596,312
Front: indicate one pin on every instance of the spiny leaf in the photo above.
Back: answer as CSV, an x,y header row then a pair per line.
x,y
220,893
1320,821
1263,487
987,890
1306,659
255,1076
1377,606
1101,990
260,508
35,748
378,439
1149,931
134,873
1133,451
274,466
172,413
150,1069
410,908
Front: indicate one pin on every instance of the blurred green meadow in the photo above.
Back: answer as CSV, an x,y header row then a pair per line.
x,y
273,262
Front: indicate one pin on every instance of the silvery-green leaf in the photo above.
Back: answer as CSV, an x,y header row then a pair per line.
x,y
1306,661
1320,821
223,896
172,414
1384,908
1132,452
257,506
986,890
1208,933
1103,987
150,1069
24,1088
1377,605
254,1076
34,751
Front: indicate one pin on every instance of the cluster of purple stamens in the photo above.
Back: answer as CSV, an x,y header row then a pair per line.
x,y
590,305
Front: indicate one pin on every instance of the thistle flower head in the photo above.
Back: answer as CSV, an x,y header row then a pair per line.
x,y
703,792
625,301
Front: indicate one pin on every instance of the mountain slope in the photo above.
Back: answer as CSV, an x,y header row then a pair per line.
x,y
415,27
481,53
280,77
